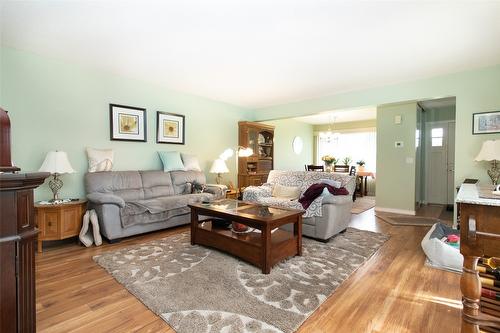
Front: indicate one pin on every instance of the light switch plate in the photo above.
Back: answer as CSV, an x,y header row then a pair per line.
x,y
409,160
398,119
399,144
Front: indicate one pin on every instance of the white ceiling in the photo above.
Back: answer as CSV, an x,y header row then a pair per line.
x,y
340,116
256,53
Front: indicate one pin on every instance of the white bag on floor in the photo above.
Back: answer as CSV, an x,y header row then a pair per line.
x,y
441,255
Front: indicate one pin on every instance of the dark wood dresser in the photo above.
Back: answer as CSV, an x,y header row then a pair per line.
x,y
17,251
479,237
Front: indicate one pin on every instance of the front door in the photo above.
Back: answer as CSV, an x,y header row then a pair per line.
x,y
440,157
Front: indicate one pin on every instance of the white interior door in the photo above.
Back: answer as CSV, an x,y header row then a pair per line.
x,y
440,157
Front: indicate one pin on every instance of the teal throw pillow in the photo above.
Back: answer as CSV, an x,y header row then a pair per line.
x,y
171,160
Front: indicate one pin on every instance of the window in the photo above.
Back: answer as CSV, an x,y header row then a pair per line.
x,y
437,137
356,145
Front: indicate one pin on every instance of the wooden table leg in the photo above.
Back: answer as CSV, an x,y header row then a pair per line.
x,y
297,232
365,188
266,249
470,284
194,225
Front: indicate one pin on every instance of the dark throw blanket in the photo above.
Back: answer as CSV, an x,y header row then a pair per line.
x,y
315,191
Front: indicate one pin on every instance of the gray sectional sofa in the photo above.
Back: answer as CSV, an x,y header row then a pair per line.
x,y
134,202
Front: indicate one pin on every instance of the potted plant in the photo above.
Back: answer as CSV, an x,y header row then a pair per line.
x,y
361,165
347,160
329,161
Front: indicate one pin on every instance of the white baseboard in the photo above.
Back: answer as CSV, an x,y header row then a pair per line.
x,y
395,211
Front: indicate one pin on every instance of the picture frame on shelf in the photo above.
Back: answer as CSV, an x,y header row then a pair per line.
x,y
170,128
486,122
127,123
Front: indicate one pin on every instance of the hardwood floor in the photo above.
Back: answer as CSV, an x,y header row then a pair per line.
x,y
393,292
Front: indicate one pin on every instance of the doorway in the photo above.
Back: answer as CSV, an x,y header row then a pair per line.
x,y
436,155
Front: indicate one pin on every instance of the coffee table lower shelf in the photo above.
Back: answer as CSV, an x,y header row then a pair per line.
x,y
248,246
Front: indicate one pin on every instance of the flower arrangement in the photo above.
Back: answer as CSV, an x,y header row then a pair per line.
x,y
347,160
328,159
361,163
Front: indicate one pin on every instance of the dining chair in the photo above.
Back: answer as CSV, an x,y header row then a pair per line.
x,y
312,167
341,168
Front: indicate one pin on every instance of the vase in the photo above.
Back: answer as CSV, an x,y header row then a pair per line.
x,y
328,167
361,168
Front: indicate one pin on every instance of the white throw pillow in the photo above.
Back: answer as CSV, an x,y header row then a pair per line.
x,y
286,192
100,159
331,182
190,162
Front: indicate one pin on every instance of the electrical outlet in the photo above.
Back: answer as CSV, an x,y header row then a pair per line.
x,y
398,119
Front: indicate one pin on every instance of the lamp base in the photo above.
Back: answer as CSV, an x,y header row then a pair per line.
x,y
494,172
55,185
218,179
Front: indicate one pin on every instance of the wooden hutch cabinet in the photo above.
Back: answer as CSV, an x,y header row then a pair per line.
x,y
253,170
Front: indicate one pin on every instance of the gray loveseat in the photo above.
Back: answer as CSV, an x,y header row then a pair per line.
x,y
134,202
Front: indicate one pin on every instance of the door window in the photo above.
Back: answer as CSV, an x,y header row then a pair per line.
x,y
437,137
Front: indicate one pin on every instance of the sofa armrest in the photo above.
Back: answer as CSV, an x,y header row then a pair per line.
x,y
252,193
105,198
337,199
219,191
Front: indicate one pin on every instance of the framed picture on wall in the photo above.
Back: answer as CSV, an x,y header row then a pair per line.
x,y
127,123
170,128
486,122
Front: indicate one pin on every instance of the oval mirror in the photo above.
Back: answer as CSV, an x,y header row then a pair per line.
x,y
297,145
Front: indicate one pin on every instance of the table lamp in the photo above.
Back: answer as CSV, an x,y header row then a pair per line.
x,y
490,151
57,163
219,167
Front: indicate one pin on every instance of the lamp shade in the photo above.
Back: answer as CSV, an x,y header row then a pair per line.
x,y
490,151
56,162
219,166
245,152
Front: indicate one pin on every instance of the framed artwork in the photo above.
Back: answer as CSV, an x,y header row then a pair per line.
x,y
169,128
127,123
486,122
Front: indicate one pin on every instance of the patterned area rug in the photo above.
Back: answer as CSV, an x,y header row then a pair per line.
x,y
362,204
198,289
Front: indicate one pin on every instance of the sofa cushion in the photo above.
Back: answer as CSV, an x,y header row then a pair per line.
x,y
171,160
156,184
181,178
100,159
125,184
286,192
286,178
190,162
158,209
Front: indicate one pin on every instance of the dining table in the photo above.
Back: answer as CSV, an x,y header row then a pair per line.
x,y
363,181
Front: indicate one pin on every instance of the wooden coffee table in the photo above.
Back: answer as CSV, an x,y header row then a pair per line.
x,y
263,247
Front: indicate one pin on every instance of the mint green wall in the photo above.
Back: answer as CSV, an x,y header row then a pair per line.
x,y
475,91
284,133
440,114
54,105
396,175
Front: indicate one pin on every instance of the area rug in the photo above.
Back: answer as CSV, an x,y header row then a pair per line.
x,y
198,289
408,220
362,204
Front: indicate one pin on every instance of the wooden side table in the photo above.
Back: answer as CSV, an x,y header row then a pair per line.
x,y
59,221
232,194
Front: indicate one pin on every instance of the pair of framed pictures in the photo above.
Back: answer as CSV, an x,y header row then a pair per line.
x,y
128,123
